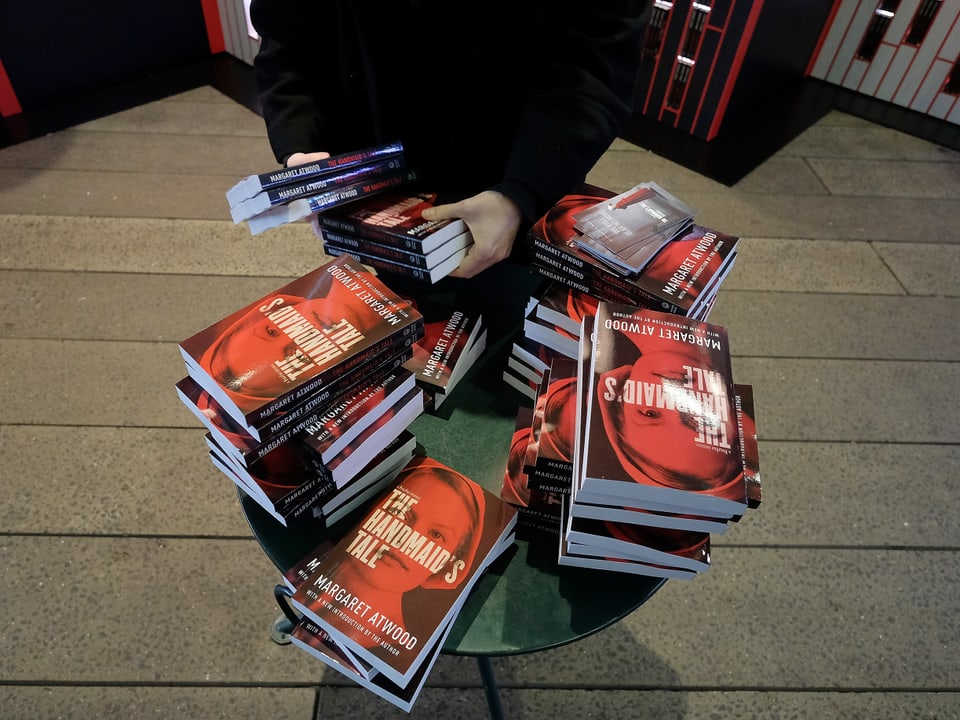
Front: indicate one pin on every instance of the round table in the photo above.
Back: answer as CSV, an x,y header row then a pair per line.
x,y
525,602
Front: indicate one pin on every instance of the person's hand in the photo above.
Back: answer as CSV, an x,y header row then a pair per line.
x,y
300,158
493,220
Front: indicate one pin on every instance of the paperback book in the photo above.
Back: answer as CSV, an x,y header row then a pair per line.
x,y
275,352
452,342
674,281
263,201
439,271
304,207
392,585
394,219
660,423
337,243
254,184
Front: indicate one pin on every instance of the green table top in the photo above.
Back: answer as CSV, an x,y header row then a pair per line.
x,y
525,602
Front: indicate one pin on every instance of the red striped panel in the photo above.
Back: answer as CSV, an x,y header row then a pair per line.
x,y
211,17
9,105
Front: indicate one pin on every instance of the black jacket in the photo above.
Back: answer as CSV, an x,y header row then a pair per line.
x,y
521,96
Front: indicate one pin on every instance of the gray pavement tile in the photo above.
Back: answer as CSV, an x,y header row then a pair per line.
x,y
923,268
853,495
182,117
122,306
853,400
865,327
620,168
652,704
782,175
111,701
113,194
776,617
829,217
93,383
150,610
862,140
155,245
203,94
804,265
230,156
350,703
115,481
884,178
141,610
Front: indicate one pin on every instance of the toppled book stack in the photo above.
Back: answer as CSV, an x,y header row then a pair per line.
x,y
638,449
304,394
268,200
378,604
641,247
388,233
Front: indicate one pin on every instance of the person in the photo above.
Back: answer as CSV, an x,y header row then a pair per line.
x,y
504,107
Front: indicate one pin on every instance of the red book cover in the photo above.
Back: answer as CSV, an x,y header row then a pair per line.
x,y
253,184
661,421
398,577
670,282
565,306
236,440
394,219
443,354
273,353
553,470
343,421
749,443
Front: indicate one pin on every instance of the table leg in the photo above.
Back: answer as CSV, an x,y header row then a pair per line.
x,y
490,687
280,630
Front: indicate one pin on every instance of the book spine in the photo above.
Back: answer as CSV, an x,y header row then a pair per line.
x,y
327,165
357,229
286,193
296,420
605,283
338,243
583,282
304,498
333,198
264,416
389,266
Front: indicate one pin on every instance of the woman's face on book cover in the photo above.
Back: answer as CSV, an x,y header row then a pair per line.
x,y
445,520
245,356
663,442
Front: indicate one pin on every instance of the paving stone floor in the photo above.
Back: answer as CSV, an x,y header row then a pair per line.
x,y
133,588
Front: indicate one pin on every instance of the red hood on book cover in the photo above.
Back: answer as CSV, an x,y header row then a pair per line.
x,y
682,464
242,358
475,502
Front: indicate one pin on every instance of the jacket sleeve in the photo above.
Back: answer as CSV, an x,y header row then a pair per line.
x,y
582,83
290,78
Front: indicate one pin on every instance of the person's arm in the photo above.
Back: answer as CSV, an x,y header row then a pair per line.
x,y
289,73
582,85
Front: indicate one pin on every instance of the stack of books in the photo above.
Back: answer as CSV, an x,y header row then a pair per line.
x,y
303,391
452,343
588,241
388,233
638,449
551,329
268,200
378,604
